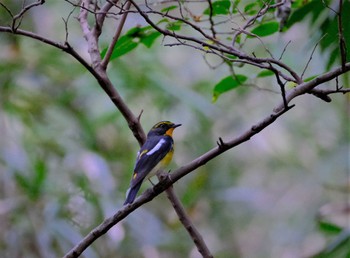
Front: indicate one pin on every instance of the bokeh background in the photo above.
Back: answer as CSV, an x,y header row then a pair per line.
x,y
66,153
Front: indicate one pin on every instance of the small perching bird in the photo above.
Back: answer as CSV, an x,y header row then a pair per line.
x,y
153,156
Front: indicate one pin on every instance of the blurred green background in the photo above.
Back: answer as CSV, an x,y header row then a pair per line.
x,y
66,153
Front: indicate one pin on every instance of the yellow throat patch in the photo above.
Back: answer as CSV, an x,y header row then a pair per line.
x,y
170,132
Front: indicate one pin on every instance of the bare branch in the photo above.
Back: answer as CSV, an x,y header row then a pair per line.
x,y
66,23
310,58
324,94
282,86
187,223
109,52
20,15
211,19
7,9
308,86
218,46
252,20
284,50
342,45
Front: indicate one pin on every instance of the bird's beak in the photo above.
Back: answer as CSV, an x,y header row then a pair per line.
x,y
177,125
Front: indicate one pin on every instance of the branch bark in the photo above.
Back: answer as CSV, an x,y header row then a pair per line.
x,y
187,223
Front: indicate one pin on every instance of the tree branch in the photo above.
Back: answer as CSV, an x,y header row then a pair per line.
x,y
110,49
19,16
91,36
308,86
218,46
99,74
323,94
211,19
342,45
187,223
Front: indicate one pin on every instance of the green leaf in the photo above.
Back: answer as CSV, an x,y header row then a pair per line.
x,y
162,21
314,8
231,56
124,45
169,8
265,73
174,26
227,84
310,78
219,7
149,39
334,56
135,32
130,40
329,228
40,174
266,29
251,8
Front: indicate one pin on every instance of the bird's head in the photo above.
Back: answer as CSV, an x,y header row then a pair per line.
x,y
163,128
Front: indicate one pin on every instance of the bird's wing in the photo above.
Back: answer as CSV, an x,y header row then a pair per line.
x,y
150,154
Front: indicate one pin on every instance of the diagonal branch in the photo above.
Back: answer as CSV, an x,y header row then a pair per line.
x,y
110,49
342,44
187,223
211,13
92,35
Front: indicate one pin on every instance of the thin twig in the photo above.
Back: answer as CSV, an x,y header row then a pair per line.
x,y
252,20
219,46
282,87
342,45
7,9
65,21
110,49
24,9
211,12
310,58
284,50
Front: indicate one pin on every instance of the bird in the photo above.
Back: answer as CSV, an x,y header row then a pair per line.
x,y
155,154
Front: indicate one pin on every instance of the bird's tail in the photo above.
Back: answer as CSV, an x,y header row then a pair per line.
x,y
131,193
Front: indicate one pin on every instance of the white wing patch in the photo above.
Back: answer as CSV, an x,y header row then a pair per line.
x,y
156,148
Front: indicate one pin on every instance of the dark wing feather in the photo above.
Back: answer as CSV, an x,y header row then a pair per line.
x,y
150,154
